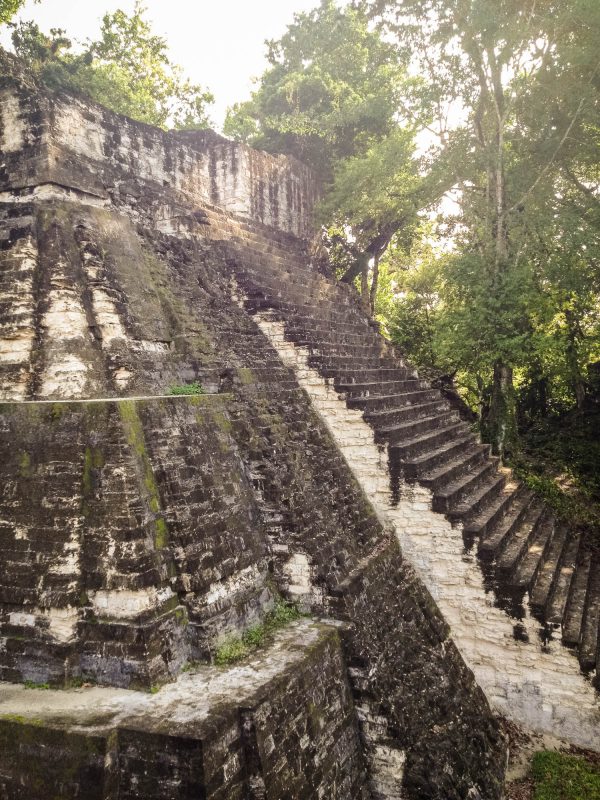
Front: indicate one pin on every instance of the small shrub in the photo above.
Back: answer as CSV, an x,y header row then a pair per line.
x,y
564,777
231,651
194,388
235,649
34,685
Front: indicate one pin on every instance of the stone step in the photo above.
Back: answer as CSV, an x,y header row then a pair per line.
x,y
322,318
374,403
256,266
270,251
284,301
389,417
557,603
500,524
469,458
296,292
525,547
345,376
588,641
573,616
258,302
344,363
448,498
409,430
481,497
548,566
427,443
344,350
377,388
414,467
332,335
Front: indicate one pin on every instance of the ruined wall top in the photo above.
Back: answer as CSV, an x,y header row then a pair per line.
x,y
70,141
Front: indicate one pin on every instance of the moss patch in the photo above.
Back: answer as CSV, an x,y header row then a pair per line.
x,y
134,434
564,777
25,470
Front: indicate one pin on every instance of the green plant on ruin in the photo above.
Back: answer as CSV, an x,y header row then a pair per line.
x,y
127,68
239,647
187,389
19,719
35,685
190,666
25,470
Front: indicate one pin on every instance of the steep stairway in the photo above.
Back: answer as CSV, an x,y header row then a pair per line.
x,y
522,548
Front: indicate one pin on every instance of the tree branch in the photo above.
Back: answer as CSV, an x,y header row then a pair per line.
x,y
557,150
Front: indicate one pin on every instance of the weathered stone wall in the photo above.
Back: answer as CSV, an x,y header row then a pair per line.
x,y
131,540
74,143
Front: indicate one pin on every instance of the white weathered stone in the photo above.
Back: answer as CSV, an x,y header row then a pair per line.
x,y
13,126
20,618
237,582
17,337
62,622
125,603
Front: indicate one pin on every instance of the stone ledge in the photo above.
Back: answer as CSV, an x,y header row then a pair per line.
x,y
193,738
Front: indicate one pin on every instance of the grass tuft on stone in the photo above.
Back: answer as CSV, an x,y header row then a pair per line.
x,y
558,776
194,388
35,685
239,647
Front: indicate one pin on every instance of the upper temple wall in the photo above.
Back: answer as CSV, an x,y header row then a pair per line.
x,y
76,143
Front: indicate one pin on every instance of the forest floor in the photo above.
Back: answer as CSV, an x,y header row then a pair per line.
x,y
542,767
560,459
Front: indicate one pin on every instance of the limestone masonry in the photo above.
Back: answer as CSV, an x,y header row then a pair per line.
x,y
141,532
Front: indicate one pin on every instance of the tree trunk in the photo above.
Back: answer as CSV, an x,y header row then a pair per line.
x,y
502,420
375,249
364,286
374,285
577,381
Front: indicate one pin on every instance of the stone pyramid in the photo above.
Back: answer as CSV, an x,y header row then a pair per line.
x,y
145,530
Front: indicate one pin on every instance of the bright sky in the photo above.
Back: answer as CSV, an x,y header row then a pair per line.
x,y
219,43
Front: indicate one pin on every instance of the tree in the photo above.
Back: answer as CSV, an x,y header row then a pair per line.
x,y
8,9
330,96
519,81
126,69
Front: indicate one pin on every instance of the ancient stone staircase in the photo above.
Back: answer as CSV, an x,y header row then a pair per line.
x,y
523,549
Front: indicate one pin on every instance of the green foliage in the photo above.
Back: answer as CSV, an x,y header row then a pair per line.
x,y
187,389
238,648
516,308
409,298
330,96
331,87
558,776
559,460
126,69
35,685
8,9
